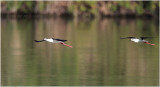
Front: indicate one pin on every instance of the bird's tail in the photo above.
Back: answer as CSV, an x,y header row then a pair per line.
x,y
66,44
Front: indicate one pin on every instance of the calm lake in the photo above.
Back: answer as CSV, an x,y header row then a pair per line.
x,y
98,57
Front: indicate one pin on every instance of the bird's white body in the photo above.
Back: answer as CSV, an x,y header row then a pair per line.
x,y
136,40
51,40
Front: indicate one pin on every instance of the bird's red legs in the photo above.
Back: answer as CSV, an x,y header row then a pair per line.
x,y
149,43
65,44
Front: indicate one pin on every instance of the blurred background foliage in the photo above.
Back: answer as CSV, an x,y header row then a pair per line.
x,y
82,8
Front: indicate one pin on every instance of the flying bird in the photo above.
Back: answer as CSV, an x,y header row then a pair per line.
x,y
53,40
139,40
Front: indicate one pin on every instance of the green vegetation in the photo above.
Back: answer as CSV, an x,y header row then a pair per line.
x,y
92,7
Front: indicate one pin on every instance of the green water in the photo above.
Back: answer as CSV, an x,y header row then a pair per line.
x,y
98,57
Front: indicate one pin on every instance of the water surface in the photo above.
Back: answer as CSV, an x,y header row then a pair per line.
x,y
98,57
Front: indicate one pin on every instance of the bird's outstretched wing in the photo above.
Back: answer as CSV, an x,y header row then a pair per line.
x,y
61,40
126,37
146,37
39,40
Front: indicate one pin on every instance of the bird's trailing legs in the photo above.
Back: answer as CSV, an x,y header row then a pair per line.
x,y
149,43
65,44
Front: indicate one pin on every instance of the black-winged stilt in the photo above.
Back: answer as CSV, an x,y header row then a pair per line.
x,y
53,40
138,40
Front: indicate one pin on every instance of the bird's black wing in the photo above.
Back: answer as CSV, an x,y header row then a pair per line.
x,y
146,37
61,40
126,37
39,40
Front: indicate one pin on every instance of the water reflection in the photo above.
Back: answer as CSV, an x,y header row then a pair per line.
x,y
98,56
